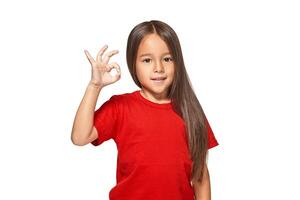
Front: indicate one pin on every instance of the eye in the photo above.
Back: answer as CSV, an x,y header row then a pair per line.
x,y
168,59
147,59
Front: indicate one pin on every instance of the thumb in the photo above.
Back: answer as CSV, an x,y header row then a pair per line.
x,y
117,67
116,77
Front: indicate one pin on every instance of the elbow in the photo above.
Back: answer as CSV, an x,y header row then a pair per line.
x,y
77,141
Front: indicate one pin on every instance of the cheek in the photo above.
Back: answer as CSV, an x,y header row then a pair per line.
x,y
171,70
141,73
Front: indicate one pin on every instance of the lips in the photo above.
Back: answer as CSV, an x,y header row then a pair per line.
x,y
158,78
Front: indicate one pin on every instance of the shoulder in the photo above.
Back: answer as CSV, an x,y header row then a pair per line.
x,y
122,98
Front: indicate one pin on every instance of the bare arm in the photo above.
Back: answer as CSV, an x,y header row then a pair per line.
x,y
83,130
83,122
202,190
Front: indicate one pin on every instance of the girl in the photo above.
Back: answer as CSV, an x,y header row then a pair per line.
x,y
161,131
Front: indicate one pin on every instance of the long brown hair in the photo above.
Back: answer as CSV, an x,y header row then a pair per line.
x,y
181,91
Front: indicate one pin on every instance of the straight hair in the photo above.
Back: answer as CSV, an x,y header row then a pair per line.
x,y
181,93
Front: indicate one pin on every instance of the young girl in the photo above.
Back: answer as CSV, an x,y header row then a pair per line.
x,y
161,131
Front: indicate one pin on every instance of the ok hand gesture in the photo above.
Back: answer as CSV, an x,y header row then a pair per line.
x,y
101,68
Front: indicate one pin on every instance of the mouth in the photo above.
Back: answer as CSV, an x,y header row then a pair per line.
x,y
158,78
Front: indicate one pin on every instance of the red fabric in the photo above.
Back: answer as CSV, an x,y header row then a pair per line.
x,y
153,161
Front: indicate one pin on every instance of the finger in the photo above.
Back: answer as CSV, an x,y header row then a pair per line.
x,y
117,67
100,53
109,67
108,55
90,58
115,78
118,75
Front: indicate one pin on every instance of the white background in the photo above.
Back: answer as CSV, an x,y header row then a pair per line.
x,y
242,58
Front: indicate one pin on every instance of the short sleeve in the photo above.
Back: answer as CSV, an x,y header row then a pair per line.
x,y
212,141
105,121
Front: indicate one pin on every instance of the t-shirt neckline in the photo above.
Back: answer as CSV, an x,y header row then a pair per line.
x,y
138,94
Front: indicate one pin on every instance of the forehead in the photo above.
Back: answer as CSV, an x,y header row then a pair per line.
x,y
152,44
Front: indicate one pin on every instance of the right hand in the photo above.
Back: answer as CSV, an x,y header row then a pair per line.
x,y
101,68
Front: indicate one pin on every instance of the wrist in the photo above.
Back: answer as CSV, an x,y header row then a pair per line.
x,y
94,85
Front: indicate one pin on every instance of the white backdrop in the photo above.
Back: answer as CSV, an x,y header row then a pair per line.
x,y
241,56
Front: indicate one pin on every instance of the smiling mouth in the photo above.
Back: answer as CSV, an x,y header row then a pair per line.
x,y
159,79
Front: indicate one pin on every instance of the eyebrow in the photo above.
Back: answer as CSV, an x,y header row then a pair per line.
x,y
149,54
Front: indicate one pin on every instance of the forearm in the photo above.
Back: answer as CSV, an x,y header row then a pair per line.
x,y
83,121
202,190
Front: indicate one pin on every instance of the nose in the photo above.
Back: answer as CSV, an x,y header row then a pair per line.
x,y
158,67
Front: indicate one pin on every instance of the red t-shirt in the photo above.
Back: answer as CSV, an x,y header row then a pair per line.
x,y
153,160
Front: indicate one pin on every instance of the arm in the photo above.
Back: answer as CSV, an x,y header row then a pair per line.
x,y
83,122
83,131
202,190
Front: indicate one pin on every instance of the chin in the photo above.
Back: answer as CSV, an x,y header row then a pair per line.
x,y
159,90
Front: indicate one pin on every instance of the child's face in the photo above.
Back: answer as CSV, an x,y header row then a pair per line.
x,y
154,61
